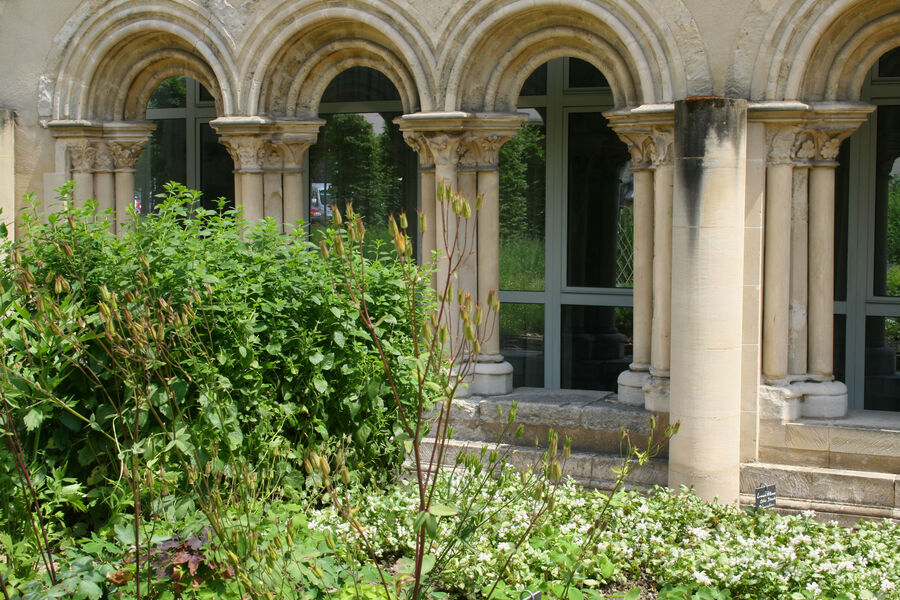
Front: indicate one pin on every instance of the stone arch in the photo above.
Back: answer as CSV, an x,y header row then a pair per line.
x,y
114,58
629,42
313,44
819,51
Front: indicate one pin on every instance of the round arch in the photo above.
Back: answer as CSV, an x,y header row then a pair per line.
x,y
114,59
313,45
819,51
628,41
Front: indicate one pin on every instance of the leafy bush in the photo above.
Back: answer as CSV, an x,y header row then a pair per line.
x,y
191,334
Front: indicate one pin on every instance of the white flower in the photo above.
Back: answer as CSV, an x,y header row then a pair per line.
x,y
504,546
813,587
702,578
808,514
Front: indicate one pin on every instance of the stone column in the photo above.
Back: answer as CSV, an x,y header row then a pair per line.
x,y
427,239
777,274
104,183
82,154
125,156
8,171
799,261
294,137
656,391
273,193
631,382
245,138
707,254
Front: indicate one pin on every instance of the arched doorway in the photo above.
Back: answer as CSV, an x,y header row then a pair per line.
x,y
566,235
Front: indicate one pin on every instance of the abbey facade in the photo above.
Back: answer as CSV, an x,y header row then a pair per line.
x,y
706,190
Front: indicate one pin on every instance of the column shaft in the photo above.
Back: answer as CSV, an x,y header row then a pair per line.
x,y
84,187
252,196
295,208
799,262
643,269
468,268
429,241
662,269
708,253
821,270
124,199
104,192
489,251
777,277
273,207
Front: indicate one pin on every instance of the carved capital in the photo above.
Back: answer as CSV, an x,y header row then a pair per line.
x,y
272,156
780,142
247,151
416,141
103,158
82,155
443,147
125,154
293,153
661,149
640,147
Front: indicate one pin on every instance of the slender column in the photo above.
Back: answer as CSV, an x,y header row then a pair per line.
x,y
708,253
427,239
821,272
631,382
104,182
296,203
662,254
82,155
777,274
273,193
125,156
467,185
443,148
246,140
799,261
8,171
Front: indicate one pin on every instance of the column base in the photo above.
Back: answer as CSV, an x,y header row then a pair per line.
x,y
631,387
811,399
656,393
492,378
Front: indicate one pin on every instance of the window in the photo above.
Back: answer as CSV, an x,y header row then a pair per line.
x,y
566,235
867,237
183,148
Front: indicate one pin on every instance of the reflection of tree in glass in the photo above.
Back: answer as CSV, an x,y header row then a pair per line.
x,y
171,93
893,241
522,183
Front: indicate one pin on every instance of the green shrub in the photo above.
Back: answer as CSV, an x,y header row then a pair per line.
x,y
224,337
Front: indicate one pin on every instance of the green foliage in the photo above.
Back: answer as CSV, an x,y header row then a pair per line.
x,y
522,176
893,228
191,344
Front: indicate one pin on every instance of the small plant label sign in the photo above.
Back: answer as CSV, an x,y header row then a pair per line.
x,y
765,496
529,595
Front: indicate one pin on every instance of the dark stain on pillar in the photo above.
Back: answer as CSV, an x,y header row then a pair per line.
x,y
701,122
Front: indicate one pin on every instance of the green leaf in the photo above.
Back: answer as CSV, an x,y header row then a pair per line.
x,y
316,358
320,384
33,419
427,563
575,594
339,339
633,594
89,589
440,510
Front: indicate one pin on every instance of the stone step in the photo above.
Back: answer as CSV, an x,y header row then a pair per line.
x,y
845,494
589,469
862,441
592,419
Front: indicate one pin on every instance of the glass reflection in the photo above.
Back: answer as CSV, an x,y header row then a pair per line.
x,y
216,166
522,342
522,201
596,346
886,280
164,160
882,378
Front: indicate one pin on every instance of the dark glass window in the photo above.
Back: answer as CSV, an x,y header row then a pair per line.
x,y
360,84
583,74
886,280
216,166
163,160
522,342
598,205
596,346
889,64
536,84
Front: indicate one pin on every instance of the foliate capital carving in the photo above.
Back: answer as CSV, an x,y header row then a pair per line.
x,y
125,154
661,148
443,147
272,156
780,144
640,146
247,152
417,142
488,147
82,155
820,145
103,159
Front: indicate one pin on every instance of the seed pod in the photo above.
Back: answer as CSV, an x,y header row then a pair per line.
x,y
404,224
345,475
336,216
423,225
555,470
329,540
324,247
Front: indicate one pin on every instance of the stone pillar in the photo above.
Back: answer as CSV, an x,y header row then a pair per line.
x,y
246,140
104,182
294,137
8,171
273,193
631,382
656,391
125,156
82,154
799,261
707,254
777,273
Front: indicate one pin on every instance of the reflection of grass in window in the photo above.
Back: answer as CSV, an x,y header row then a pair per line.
x,y
522,264
519,323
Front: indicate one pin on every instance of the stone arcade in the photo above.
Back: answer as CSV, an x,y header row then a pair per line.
x,y
760,319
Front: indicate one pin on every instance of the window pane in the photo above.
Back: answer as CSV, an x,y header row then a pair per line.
x,y
216,170
205,96
583,74
163,160
841,221
886,280
882,379
889,64
360,84
840,347
599,215
522,342
596,346
170,93
536,84
362,159
522,200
